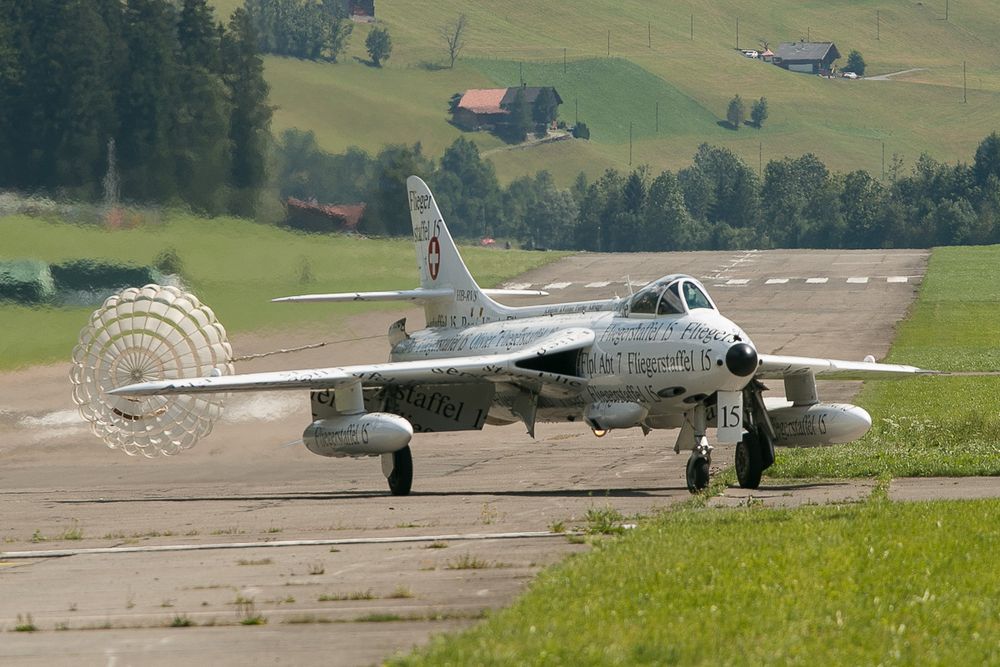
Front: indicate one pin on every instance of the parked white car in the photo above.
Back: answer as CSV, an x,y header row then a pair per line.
x,y
750,53
849,75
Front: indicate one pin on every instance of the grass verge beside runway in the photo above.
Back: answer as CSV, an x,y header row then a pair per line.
x,y
233,265
930,426
870,583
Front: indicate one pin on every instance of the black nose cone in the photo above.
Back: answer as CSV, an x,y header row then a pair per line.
x,y
741,359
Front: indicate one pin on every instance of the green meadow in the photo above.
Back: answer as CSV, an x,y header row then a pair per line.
x,y
865,584
652,58
928,426
233,265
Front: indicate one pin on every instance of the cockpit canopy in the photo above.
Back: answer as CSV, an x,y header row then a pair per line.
x,y
670,295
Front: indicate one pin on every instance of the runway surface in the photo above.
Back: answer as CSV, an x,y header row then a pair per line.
x,y
350,603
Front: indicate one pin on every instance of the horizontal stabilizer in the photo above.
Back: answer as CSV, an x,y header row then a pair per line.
x,y
418,294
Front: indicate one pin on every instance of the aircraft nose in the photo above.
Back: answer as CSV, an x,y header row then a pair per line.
x,y
741,359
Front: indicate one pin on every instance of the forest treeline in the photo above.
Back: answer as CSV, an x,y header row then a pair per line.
x,y
716,203
182,96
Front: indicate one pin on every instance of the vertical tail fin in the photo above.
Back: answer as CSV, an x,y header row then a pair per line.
x,y
441,266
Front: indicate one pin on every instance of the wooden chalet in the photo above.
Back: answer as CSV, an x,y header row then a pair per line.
x,y
490,107
808,57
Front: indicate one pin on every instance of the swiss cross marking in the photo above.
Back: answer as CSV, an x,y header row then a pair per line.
x,y
434,257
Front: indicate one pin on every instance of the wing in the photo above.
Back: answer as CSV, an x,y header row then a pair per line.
x,y
773,366
522,366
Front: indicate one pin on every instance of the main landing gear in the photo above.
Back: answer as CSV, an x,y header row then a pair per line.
x,y
398,470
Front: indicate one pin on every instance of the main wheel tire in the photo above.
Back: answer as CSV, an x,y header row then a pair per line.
x,y
749,461
401,478
697,474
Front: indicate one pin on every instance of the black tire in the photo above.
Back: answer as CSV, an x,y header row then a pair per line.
x,y
697,474
401,478
749,461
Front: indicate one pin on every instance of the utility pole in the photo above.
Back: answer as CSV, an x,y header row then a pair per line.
x,y
878,25
649,34
692,27
609,43
737,33
520,72
564,60
630,143
965,96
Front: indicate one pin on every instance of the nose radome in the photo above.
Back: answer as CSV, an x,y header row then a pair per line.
x,y
741,359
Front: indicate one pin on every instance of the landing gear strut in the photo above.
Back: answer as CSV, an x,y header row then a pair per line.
x,y
398,470
701,456
697,466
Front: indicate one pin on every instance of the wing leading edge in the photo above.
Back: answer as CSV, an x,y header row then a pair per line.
x,y
773,366
493,368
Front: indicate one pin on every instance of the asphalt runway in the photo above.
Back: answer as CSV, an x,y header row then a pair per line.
x,y
357,603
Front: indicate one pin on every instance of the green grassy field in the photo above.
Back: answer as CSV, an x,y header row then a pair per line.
x,y
843,122
875,583
233,265
931,425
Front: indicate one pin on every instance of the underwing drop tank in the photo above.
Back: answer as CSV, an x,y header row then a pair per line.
x,y
604,416
368,434
818,424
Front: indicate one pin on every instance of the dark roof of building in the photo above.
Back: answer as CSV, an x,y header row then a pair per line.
x,y
806,51
530,95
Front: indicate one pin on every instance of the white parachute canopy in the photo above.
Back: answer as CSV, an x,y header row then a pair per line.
x,y
139,335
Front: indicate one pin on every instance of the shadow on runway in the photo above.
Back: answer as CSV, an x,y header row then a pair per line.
x,y
595,493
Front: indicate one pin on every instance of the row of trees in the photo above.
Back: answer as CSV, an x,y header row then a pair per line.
x,y
716,203
310,29
183,97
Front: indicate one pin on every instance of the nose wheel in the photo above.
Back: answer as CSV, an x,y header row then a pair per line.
x,y
697,466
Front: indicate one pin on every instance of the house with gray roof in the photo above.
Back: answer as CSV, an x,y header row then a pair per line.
x,y
808,57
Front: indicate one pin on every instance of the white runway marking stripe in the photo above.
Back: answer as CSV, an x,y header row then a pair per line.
x,y
858,280
896,279
557,285
600,283
517,285
817,281
737,281
776,281
60,553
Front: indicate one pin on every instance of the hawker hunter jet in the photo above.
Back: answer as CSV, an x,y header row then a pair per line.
x,y
662,358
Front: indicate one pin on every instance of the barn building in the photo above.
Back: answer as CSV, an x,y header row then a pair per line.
x,y
808,57
490,107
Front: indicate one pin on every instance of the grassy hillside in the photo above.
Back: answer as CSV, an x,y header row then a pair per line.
x,y
235,279
843,122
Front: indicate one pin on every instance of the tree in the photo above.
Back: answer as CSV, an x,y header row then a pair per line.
x,y
581,131
737,112
379,45
987,161
545,108
250,117
520,119
855,63
453,35
759,112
